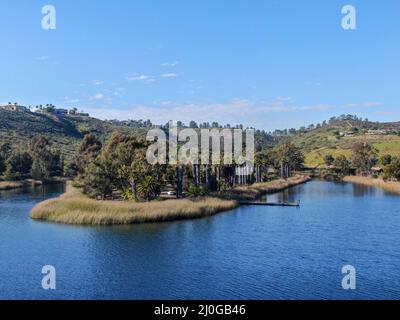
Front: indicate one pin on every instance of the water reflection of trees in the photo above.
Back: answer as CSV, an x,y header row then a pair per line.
x,y
36,193
362,191
288,195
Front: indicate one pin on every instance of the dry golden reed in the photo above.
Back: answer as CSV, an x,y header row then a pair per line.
x,y
73,207
390,186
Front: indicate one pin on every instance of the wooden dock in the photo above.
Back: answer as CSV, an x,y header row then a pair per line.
x,y
271,204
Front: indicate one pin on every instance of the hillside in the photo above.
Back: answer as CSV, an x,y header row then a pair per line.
x,y
333,137
337,137
64,131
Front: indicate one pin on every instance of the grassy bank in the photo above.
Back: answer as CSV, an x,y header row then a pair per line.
x,y
378,183
255,191
73,207
9,185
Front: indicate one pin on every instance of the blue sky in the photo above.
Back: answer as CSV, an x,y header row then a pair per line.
x,y
268,64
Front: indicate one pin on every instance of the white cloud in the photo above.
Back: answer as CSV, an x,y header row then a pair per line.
x,y
169,75
369,104
238,111
70,100
170,64
97,82
141,77
138,78
43,58
98,96
119,92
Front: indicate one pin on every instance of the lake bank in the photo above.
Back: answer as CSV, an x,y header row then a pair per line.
x,y
390,186
257,190
73,207
9,185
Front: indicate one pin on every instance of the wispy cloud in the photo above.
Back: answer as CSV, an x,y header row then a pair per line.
x,y
97,82
137,77
170,64
365,105
43,58
70,100
169,75
247,112
119,92
98,96
140,77
236,111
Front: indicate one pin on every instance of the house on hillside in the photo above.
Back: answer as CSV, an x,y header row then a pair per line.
x,y
60,111
75,112
347,134
380,132
15,107
82,114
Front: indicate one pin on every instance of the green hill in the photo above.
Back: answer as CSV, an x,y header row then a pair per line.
x,y
338,136
63,131
334,137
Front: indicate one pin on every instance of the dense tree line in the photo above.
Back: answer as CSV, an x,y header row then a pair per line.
x,y
120,168
363,158
365,161
38,161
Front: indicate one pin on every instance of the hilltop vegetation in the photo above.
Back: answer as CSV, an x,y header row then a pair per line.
x,y
61,134
64,132
338,136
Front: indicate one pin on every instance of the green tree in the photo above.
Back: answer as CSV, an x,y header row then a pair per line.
x,y
385,159
342,165
39,149
98,180
18,165
88,150
328,159
5,151
196,191
122,165
130,174
392,170
288,157
2,164
364,157
149,187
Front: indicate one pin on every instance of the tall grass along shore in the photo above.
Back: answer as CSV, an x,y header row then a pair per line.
x,y
9,185
255,191
390,186
73,207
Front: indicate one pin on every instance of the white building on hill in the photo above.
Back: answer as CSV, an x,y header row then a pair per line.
x,y
15,107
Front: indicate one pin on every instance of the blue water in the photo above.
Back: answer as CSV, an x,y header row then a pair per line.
x,y
248,253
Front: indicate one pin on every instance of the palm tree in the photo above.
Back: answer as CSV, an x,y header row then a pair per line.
x,y
149,187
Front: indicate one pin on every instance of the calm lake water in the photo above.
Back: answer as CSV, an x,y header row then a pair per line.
x,y
248,253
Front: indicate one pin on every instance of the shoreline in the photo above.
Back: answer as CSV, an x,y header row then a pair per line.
x,y
29,183
75,208
11,185
390,186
